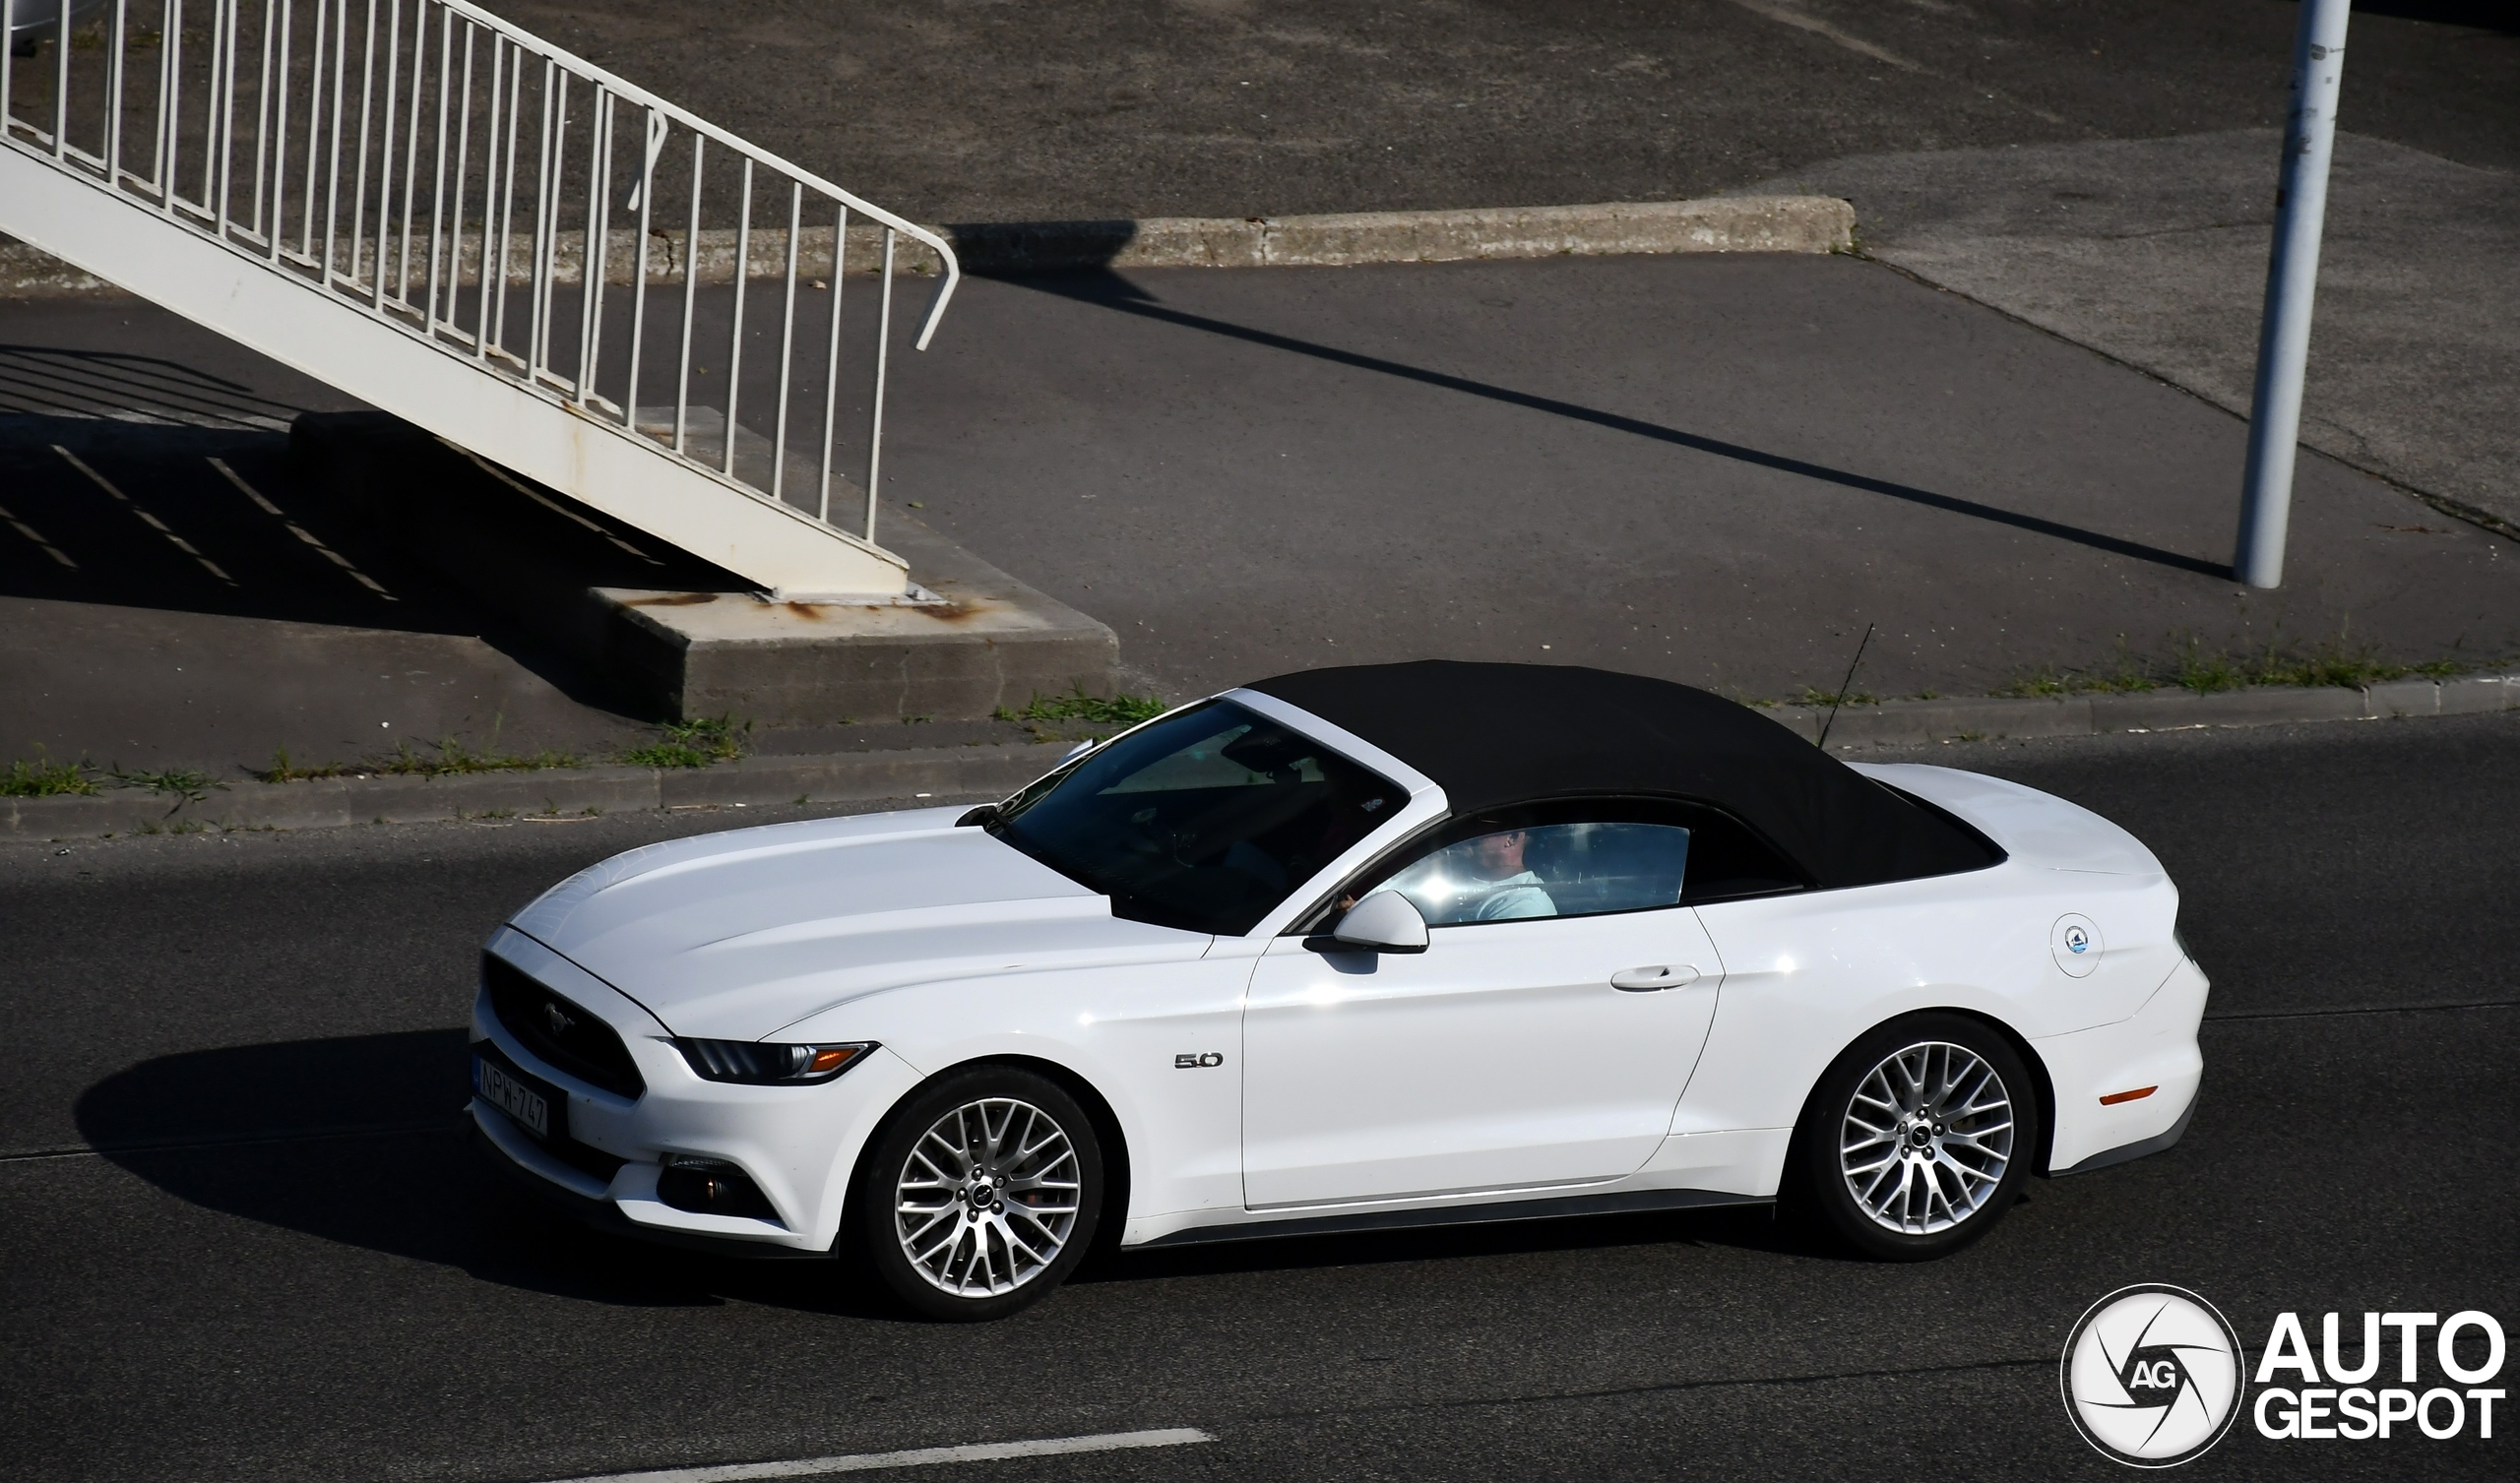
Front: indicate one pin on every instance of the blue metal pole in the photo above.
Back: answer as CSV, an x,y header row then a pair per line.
x,y
2292,279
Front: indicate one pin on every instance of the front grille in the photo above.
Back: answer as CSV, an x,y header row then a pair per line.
x,y
558,1031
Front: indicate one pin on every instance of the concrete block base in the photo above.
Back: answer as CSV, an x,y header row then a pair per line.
x,y
657,633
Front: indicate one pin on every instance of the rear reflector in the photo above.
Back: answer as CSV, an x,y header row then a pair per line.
x,y
2137,1095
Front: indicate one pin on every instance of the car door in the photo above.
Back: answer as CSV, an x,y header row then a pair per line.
x,y
1541,1038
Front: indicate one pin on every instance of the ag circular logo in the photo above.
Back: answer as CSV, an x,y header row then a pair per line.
x,y
2151,1376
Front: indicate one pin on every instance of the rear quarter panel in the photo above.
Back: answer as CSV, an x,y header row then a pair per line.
x,y
1805,974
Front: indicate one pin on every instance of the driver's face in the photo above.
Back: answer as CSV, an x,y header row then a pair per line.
x,y
1500,855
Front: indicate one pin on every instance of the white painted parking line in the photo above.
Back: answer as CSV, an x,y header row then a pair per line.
x,y
29,532
154,522
859,1462
301,532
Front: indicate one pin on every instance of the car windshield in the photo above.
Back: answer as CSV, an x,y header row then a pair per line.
x,y
1202,821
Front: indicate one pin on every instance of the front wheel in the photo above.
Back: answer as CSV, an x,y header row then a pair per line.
x,y
980,1193
1919,1138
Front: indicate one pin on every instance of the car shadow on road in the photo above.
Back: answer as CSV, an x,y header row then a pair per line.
x,y
361,1141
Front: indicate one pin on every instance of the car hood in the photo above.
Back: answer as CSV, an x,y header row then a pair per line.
x,y
737,935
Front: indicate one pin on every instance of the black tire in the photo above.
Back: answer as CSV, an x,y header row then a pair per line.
x,y
1959,1163
977,1255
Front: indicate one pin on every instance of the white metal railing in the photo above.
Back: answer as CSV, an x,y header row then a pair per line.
x,y
452,176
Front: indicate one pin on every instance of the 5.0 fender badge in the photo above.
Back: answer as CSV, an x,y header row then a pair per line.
x,y
1187,1062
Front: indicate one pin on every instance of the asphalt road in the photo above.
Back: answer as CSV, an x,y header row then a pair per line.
x,y
244,1242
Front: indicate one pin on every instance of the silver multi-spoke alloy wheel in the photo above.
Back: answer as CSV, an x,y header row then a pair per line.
x,y
989,1197
1926,1138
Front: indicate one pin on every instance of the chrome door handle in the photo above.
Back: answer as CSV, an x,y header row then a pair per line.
x,y
1659,976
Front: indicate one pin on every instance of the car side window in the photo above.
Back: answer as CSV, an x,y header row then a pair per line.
x,y
1580,868
1580,857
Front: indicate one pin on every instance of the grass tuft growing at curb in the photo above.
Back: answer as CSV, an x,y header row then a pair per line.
x,y
1824,699
2330,665
450,757
184,785
45,780
1093,709
2193,668
692,744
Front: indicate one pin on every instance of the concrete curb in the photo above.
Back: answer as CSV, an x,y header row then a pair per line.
x,y
996,771
1733,223
557,793
1908,723
1750,223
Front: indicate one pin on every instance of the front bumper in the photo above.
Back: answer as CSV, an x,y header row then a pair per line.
x,y
2154,1047
496,1140
797,1143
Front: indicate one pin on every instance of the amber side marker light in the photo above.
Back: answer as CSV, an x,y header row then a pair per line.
x,y
2137,1095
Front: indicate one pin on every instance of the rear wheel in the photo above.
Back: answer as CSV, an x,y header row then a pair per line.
x,y
980,1193
1919,1138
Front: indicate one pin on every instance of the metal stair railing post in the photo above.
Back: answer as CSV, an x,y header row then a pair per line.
x,y
831,379
408,207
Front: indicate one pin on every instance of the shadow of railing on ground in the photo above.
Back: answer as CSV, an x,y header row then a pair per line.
x,y
54,382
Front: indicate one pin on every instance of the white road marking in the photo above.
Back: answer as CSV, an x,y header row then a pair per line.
x,y
985,1451
1792,12
301,532
29,532
1788,13
155,523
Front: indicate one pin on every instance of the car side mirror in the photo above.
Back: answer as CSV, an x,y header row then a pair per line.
x,y
1384,922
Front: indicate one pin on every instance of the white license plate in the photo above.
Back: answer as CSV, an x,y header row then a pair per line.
x,y
529,1108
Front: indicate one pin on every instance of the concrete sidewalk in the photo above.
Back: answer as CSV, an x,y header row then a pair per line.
x,y
1713,468
1718,470
2154,251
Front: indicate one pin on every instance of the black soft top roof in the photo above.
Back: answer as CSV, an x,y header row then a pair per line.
x,y
1493,735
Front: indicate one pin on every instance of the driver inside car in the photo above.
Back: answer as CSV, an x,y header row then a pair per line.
x,y
1481,880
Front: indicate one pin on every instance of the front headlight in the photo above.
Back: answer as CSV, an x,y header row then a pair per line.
x,y
759,1065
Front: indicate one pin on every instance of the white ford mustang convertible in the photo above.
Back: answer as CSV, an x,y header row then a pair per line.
x,y
1350,948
